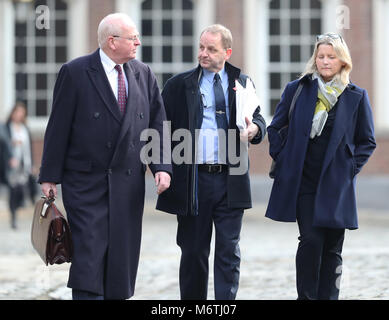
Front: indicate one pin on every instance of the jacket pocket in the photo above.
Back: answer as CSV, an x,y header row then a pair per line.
x,y
283,134
350,152
78,165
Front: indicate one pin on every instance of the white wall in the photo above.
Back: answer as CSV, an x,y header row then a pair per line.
x,y
256,39
7,78
330,15
77,28
381,63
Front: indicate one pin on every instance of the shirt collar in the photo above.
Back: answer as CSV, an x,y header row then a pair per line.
x,y
107,62
208,75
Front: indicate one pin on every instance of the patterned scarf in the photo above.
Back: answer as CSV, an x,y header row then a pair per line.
x,y
327,96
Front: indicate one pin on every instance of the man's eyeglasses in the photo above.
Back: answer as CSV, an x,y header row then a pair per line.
x,y
132,38
329,35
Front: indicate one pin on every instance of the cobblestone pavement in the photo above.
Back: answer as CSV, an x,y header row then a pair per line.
x,y
267,269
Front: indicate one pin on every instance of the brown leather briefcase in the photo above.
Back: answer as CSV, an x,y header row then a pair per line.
x,y
50,232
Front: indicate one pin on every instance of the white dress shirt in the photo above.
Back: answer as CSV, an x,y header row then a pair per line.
x,y
112,74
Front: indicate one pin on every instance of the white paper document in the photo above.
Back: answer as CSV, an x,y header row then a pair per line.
x,y
246,103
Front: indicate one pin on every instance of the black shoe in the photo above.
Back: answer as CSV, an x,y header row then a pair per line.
x,y
13,223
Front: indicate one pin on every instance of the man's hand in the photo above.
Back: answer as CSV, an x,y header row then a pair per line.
x,y
250,132
47,186
162,181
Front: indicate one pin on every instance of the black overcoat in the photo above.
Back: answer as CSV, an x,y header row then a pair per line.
x,y
182,103
94,153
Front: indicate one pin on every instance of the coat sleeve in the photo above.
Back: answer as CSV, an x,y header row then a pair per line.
x,y
167,99
58,128
157,119
364,134
260,122
277,129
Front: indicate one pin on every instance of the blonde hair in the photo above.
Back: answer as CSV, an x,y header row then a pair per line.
x,y
342,53
224,33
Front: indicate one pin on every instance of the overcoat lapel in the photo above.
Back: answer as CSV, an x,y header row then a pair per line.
x,y
233,74
193,99
308,106
347,105
99,79
192,95
133,99
133,104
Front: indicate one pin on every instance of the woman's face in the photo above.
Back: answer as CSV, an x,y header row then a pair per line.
x,y
19,114
327,62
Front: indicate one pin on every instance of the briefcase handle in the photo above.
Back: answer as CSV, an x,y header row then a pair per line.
x,y
48,201
51,196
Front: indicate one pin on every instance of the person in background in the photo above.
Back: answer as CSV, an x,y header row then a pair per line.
x,y
329,139
20,164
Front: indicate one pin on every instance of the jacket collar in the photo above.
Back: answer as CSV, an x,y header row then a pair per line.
x,y
100,81
194,75
192,86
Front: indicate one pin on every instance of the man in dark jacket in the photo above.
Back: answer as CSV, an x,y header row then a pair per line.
x,y
205,189
102,104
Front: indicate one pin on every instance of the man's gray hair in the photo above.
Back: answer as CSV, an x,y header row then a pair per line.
x,y
224,33
112,25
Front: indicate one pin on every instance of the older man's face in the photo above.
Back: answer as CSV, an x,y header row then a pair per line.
x,y
127,43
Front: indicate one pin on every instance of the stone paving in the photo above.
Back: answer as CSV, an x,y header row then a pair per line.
x,y
267,268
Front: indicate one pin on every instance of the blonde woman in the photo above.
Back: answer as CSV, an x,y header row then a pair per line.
x,y
318,153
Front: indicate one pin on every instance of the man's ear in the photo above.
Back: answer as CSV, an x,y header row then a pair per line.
x,y
111,43
228,53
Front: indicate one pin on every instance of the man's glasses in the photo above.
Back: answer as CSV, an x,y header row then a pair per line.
x,y
333,36
132,38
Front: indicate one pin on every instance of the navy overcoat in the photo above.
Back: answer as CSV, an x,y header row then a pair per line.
x,y
94,153
351,144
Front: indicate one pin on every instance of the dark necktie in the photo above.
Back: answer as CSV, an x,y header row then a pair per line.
x,y
220,102
122,96
221,117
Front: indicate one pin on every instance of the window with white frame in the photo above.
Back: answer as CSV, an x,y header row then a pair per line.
x,y
167,30
293,26
39,53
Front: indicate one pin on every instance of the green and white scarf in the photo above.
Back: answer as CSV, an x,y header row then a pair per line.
x,y
327,96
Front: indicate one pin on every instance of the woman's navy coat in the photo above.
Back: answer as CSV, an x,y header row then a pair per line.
x,y
351,144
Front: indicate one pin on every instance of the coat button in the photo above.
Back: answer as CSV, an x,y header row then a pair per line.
x,y
109,145
129,172
141,115
109,171
96,115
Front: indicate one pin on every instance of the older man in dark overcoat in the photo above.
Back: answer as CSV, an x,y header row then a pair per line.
x,y
102,103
